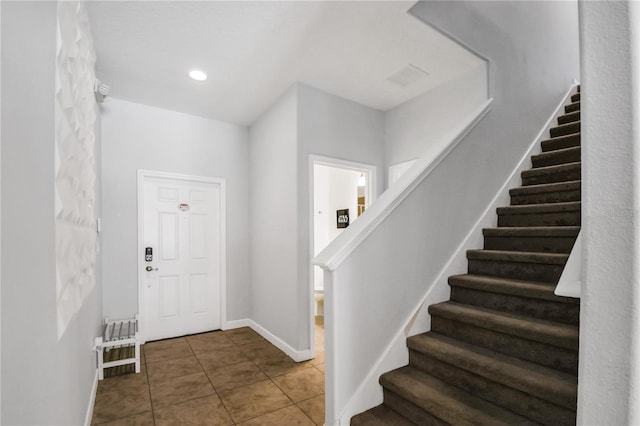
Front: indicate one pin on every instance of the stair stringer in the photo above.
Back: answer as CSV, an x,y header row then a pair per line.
x,y
395,355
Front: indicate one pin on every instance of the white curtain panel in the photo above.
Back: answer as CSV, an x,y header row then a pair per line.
x,y
75,163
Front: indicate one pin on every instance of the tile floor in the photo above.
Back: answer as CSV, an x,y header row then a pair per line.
x,y
232,377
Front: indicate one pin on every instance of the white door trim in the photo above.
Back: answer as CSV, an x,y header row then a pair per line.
x,y
370,197
349,165
144,174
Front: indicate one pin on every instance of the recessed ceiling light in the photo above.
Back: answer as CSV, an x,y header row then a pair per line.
x,y
197,75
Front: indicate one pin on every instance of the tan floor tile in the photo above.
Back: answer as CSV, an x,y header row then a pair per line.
x,y
277,365
236,375
144,419
301,384
221,357
319,359
177,367
243,336
182,393
123,401
254,400
261,349
289,416
207,342
202,411
167,349
314,408
180,389
156,344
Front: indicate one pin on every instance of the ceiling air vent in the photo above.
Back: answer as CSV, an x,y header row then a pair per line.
x,y
408,75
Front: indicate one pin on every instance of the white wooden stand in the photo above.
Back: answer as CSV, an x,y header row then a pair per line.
x,y
118,334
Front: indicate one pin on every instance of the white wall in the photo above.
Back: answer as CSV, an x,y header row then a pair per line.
x,y
334,127
413,127
609,376
136,137
273,221
302,122
533,54
44,380
0,221
76,171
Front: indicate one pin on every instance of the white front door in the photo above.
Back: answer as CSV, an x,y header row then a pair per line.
x,y
181,284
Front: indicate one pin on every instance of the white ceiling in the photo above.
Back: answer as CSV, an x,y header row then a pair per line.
x,y
254,51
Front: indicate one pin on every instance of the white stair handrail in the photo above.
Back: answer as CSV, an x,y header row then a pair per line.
x,y
340,248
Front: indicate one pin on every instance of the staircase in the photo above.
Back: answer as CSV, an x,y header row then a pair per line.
x,y
504,349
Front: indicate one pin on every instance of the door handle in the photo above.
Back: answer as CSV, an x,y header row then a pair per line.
x,y
151,268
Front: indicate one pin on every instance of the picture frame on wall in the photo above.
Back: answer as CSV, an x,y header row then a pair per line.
x,y
342,218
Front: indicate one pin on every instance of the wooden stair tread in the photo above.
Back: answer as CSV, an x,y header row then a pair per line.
x,y
546,187
541,208
574,106
560,142
533,231
551,169
565,129
553,333
556,157
569,117
542,382
380,416
518,256
529,289
446,402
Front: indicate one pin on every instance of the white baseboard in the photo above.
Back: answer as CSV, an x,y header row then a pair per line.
x,y
92,401
229,325
296,355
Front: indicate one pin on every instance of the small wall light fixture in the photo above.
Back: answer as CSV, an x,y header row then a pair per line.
x,y
101,91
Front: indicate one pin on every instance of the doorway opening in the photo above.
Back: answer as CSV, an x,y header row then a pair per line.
x,y
181,254
341,191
